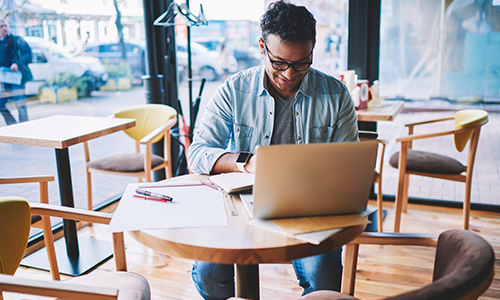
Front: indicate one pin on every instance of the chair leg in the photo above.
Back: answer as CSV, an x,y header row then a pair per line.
x,y
380,208
401,182
466,212
350,266
89,191
405,193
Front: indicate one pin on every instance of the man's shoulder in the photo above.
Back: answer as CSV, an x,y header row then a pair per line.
x,y
325,83
246,80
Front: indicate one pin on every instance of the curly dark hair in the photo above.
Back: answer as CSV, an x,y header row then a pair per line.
x,y
290,22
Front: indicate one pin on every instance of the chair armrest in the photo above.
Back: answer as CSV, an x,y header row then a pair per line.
x,y
409,138
70,213
378,238
389,238
61,290
26,179
429,121
158,131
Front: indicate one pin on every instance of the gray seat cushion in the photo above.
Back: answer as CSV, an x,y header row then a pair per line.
x,y
428,162
127,162
131,286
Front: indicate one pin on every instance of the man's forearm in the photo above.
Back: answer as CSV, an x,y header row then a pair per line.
x,y
226,163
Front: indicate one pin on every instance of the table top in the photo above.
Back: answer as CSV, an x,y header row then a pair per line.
x,y
239,242
62,131
385,111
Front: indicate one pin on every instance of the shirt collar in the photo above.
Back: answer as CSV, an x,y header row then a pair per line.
x,y
304,88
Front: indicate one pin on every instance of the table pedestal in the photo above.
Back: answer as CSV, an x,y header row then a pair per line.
x,y
94,252
247,281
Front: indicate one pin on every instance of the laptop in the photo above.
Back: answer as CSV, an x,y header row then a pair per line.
x,y
312,180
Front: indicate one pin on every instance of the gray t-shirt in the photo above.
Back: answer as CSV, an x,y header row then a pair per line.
x,y
283,132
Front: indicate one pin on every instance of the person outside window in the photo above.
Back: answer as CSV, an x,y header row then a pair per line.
x,y
15,55
285,101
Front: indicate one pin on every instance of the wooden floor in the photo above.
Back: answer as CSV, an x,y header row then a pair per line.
x,y
382,270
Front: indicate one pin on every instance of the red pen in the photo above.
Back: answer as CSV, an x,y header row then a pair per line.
x,y
151,198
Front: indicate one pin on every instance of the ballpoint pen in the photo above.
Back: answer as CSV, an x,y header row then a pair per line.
x,y
154,195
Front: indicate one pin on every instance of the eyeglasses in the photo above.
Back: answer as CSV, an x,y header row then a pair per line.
x,y
279,65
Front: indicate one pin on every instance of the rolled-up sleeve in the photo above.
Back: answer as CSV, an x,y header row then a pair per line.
x,y
211,137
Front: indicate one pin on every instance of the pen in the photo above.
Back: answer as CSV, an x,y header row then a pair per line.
x,y
153,195
151,198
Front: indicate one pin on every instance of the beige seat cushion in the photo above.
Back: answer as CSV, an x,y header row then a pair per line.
x,y
131,286
127,162
428,162
328,295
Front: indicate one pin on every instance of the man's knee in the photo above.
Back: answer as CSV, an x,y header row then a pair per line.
x,y
320,272
213,281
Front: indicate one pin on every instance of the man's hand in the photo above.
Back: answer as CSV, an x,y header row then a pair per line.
x,y
14,67
251,164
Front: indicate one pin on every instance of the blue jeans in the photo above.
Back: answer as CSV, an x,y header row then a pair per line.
x,y
320,272
20,101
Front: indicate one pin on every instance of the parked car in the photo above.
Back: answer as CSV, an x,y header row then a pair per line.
x,y
246,57
49,60
110,53
204,62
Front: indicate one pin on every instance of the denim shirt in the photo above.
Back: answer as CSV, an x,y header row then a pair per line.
x,y
240,116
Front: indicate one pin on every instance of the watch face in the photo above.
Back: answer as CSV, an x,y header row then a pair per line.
x,y
243,157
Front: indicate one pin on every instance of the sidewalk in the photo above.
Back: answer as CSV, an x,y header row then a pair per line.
x,y
24,160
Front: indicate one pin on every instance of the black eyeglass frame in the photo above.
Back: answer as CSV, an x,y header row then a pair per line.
x,y
288,65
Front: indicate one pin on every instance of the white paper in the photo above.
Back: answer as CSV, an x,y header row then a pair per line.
x,y
192,206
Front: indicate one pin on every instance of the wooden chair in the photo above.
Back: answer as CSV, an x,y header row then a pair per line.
x,y
15,220
463,266
367,136
468,125
153,122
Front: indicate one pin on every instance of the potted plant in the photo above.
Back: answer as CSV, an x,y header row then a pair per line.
x,y
119,77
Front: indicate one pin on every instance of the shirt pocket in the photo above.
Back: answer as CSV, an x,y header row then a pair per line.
x,y
321,134
243,136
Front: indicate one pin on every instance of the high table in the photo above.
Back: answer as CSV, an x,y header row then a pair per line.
x,y
60,132
243,245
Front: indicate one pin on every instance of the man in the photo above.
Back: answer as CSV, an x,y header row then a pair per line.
x,y
283,102
15,55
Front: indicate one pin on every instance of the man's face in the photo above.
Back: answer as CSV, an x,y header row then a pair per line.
x,y
4,29
286,63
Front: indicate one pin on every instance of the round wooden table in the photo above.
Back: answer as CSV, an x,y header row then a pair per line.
x,y
241,244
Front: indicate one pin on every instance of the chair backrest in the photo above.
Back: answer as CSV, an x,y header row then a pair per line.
x,y
463,268
15,221
147,117
468,119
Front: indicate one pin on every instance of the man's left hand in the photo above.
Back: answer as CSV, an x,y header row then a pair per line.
x,y
14,67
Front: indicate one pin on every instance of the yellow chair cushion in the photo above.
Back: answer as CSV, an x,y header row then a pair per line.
x,y
147,117
466,118
15,222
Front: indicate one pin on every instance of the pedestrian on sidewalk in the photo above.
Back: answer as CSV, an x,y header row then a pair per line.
x,y
15,55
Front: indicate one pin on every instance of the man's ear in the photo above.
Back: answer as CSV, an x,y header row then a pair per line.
x,y
262,46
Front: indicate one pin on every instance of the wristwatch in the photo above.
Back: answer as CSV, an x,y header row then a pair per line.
x,y
242,160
